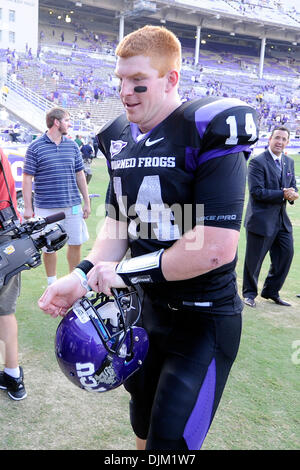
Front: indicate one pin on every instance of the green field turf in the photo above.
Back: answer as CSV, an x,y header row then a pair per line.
x,y
260,406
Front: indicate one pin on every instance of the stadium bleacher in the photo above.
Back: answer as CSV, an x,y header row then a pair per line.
x,y
74,68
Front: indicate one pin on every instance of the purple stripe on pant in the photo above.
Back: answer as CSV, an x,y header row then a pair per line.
x,y
199,421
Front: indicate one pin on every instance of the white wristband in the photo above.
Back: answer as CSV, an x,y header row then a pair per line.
x,y
82,277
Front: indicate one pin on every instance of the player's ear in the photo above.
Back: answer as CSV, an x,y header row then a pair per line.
x,y
172,79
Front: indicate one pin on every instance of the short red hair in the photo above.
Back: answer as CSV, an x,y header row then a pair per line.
x,y
156,42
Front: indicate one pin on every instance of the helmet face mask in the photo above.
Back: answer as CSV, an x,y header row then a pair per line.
x,y
98,345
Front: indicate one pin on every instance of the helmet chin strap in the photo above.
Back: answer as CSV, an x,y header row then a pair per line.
x,y
106,363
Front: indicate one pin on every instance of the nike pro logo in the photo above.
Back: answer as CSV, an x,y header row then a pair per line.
x,y
152,142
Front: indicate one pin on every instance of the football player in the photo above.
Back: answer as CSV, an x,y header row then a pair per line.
x,y
174,208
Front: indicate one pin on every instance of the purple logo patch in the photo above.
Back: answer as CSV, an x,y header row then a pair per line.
x,y
116,146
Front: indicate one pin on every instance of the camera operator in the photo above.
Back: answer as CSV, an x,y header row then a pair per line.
x,y
12,378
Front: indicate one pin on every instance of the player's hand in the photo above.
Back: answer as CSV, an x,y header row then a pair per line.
x,y
102,277
61,295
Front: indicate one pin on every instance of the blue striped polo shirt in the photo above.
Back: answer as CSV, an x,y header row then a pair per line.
x,y
54,168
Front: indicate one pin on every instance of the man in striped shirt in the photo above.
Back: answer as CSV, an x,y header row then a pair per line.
x,y
55,163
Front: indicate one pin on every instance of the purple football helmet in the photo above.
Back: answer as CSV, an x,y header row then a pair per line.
x,y
97,344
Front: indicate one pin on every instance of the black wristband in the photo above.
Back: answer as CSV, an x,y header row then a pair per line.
x,y
85,266
142,269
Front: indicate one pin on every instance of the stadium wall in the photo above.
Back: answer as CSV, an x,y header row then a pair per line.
x,y
19,25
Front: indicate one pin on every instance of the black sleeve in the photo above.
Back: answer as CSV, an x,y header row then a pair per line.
x,y
220,191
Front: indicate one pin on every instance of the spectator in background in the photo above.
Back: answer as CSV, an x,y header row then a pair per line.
x,y
81,94
87,155
81,115
95,145
87,120
4,92
87,151
79,141
96,94
64,99
272,183
56,164
14,135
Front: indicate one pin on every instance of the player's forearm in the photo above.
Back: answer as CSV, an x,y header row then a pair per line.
x,y
199,251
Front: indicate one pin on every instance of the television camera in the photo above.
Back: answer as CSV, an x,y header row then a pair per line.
x,y
20,244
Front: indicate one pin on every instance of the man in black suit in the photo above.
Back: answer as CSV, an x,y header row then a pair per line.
x,y
271,182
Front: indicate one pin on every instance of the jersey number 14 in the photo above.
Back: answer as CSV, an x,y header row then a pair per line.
x,y
250,128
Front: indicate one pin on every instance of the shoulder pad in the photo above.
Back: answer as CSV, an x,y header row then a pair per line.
x,y
183,119
111,130
227,122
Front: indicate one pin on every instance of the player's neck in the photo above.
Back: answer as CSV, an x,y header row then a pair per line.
x,y
165,112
